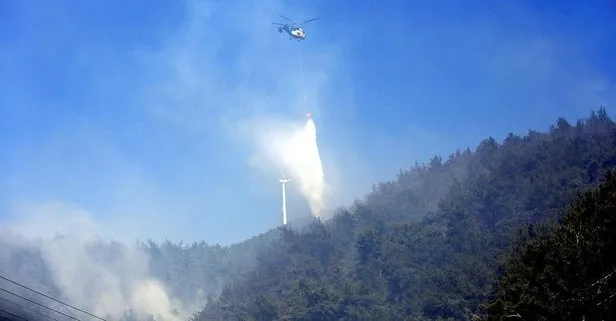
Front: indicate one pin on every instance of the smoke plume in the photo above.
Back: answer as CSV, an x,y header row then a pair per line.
x,y
108,279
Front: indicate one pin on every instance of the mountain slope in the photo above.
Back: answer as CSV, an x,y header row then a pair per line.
x,y
428,245
396,255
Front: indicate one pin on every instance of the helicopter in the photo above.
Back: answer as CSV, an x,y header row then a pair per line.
x,y
293,29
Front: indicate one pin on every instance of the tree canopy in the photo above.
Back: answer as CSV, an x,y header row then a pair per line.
x,y
432,244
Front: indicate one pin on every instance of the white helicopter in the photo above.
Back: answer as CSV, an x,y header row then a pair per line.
x,y
293,29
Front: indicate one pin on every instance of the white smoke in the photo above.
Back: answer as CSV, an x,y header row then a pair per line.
x,y
109,288
108,281
292,147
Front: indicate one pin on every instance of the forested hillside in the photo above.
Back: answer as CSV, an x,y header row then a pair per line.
x,y
431,245
564,271
455,239
199,271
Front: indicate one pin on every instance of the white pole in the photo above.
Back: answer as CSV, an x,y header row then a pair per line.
x,y
284,202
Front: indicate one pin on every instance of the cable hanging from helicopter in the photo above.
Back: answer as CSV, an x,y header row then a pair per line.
x,y
294,30
301,72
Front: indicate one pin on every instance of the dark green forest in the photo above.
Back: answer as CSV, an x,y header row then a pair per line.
x,y
486,234
518,229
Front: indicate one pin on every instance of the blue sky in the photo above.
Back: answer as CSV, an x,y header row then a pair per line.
x,y
128,118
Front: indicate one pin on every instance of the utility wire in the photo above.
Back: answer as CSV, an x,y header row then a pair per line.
x,y
47,296
5,318
11,314
39,304
29,309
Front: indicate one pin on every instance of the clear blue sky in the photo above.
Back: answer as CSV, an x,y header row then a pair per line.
x,y
122,117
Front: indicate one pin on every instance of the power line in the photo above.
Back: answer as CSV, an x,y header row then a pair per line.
x,y
47,296
29,309
11,314
39,304
5,318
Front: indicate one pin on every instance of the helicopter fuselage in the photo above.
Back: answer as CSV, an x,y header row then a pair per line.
x,y
294,32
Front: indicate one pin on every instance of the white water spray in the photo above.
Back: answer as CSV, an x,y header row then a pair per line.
x,y
293,147
305,162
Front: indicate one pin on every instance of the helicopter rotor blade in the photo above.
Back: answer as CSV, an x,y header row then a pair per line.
x,y
297,23
309,20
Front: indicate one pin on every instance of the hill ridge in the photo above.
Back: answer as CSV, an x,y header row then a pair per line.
x,y
397,255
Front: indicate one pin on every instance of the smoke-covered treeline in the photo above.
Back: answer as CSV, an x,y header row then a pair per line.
x,y
165,281
430,245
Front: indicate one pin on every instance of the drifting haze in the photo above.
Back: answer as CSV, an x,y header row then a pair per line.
x,y
107,279
109,286
130,112
141,143
149,119
146,144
